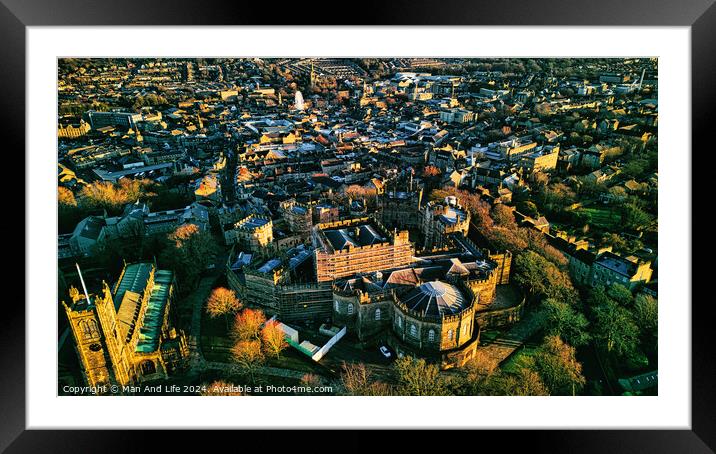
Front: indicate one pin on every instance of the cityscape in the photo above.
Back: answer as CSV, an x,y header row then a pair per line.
x,y
357,226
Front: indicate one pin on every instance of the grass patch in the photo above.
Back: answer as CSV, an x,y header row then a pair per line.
x,y
602,217
518,359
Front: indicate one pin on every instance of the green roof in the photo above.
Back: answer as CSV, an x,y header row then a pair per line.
x,y
134,279
150,332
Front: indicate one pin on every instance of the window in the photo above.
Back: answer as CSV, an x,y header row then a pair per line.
x,y
431,335
413,331
335,305
465,328
350,309
377,314
400,321
450,335
88,328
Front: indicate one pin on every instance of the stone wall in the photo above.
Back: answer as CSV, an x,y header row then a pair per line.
x,y
500,318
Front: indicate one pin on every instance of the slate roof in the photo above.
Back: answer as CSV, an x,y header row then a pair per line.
x,y
435,298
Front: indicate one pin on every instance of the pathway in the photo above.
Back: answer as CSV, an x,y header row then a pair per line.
x,y
504,345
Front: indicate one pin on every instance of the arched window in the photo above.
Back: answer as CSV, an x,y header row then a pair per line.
x,y
350,309
413,331
377,314
88,328
400,321
335,305
465,328
450,335
431,335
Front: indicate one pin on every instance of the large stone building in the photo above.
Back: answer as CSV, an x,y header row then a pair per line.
x,y
433,311
282,286
401,209
602,267
442,219
126,335
254,232
73,131
609,269
298,216
112,118
360,245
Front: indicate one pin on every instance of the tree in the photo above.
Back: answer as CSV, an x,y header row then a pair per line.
x,y
247,325
221,388
563,321
615,241
418,378
620,294
503,216
646,317
632,216
356,380
68,213
614,329
66,197
431,171
541,277
529,208
530,272
222,301
525,382
274,339
310,381
247,354
537,242
556,364
113,196
188,253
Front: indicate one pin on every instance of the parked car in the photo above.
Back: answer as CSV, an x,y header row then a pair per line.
x,y
384,350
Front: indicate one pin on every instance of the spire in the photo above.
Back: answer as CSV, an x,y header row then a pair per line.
x,y
84,287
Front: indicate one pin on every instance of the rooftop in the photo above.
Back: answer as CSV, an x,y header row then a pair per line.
x,y
150,331
252,222
354,236
436,298
617,264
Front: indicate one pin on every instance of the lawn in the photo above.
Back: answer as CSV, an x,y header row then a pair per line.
x,y
518,359
602,217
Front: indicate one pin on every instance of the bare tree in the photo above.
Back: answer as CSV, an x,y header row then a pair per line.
x,y
247,354
274,339
221,388
222,301
356,380
247,325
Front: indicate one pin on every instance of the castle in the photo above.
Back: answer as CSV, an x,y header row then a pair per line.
x,y
125,335
367,277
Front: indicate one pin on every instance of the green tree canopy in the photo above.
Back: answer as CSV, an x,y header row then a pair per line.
x,y
564,321
418,378
556,364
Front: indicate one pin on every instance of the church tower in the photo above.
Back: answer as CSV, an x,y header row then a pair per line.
x,y
101,351
313,77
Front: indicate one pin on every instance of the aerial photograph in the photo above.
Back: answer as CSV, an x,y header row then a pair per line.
x,y
357,226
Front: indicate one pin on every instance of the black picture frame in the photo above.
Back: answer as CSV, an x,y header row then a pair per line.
x,y
16,15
